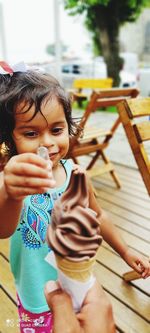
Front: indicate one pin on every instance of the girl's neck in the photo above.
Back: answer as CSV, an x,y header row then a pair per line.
x,y
59,174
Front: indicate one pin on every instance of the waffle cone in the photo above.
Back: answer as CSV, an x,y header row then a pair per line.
x,y
80,271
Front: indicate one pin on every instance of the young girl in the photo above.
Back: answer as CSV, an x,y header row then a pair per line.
x,y
35,111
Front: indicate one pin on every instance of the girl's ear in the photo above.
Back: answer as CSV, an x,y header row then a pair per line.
x,y
71,141
11,148
4,155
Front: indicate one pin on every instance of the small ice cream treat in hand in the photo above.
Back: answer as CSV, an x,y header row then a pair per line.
x,y
43,152
74,236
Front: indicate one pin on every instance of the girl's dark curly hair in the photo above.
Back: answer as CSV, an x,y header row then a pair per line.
x,y
31,88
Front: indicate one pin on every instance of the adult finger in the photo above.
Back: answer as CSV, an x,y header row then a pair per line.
x,y
96,314
61,306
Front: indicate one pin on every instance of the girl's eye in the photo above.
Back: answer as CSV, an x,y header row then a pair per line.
x,y
57,130
31,134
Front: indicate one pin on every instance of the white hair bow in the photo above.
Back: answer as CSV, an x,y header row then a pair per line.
x,y
7,69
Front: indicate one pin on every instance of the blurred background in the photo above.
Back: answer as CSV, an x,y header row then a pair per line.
x,y
42,33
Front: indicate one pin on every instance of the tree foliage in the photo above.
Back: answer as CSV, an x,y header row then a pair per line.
x,y
104,19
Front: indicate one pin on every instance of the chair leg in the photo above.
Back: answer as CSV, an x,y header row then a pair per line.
x,y
115,178
112,172
106,161
75,160
94,159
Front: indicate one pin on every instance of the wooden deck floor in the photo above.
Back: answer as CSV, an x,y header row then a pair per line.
x,y
129,209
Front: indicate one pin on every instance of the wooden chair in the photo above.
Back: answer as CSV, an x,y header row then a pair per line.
x,y
134,115
82,85
95,139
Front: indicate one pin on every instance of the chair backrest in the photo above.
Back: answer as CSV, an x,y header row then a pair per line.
x,y
135,117
92,83
105,98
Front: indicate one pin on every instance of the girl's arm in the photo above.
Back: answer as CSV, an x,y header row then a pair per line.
x,y
112,236
9,212
108,230
23,175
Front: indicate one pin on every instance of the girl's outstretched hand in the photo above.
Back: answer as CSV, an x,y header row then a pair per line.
x,y
27,174
138,262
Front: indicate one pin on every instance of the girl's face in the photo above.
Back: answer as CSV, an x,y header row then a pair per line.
x,y
49,129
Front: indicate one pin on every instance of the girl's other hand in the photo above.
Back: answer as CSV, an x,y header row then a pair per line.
x,y
138,262
27,174
78,169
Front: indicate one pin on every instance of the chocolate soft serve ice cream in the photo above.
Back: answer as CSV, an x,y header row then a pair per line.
x,y
74,236
74,233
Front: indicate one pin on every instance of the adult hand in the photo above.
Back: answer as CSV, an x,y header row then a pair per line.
x,y
95,315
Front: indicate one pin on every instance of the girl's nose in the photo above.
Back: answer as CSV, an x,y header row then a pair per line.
x,y
47,140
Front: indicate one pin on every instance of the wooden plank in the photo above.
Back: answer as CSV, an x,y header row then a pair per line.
x,y
138,189
86,148
126,178
91,133
132,207
8,315
84,83
129,171
142,131
135,248
130,216
124,92
136,182
134,229
106,102
126,187
6,278
135,243
4,247
125,196
132,297
118,266
126,319
94,172
139,107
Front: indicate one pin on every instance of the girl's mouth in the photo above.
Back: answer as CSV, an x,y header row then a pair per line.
x,y
52,155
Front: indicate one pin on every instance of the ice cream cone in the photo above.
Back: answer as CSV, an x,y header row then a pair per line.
x,y
79,271
74,236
